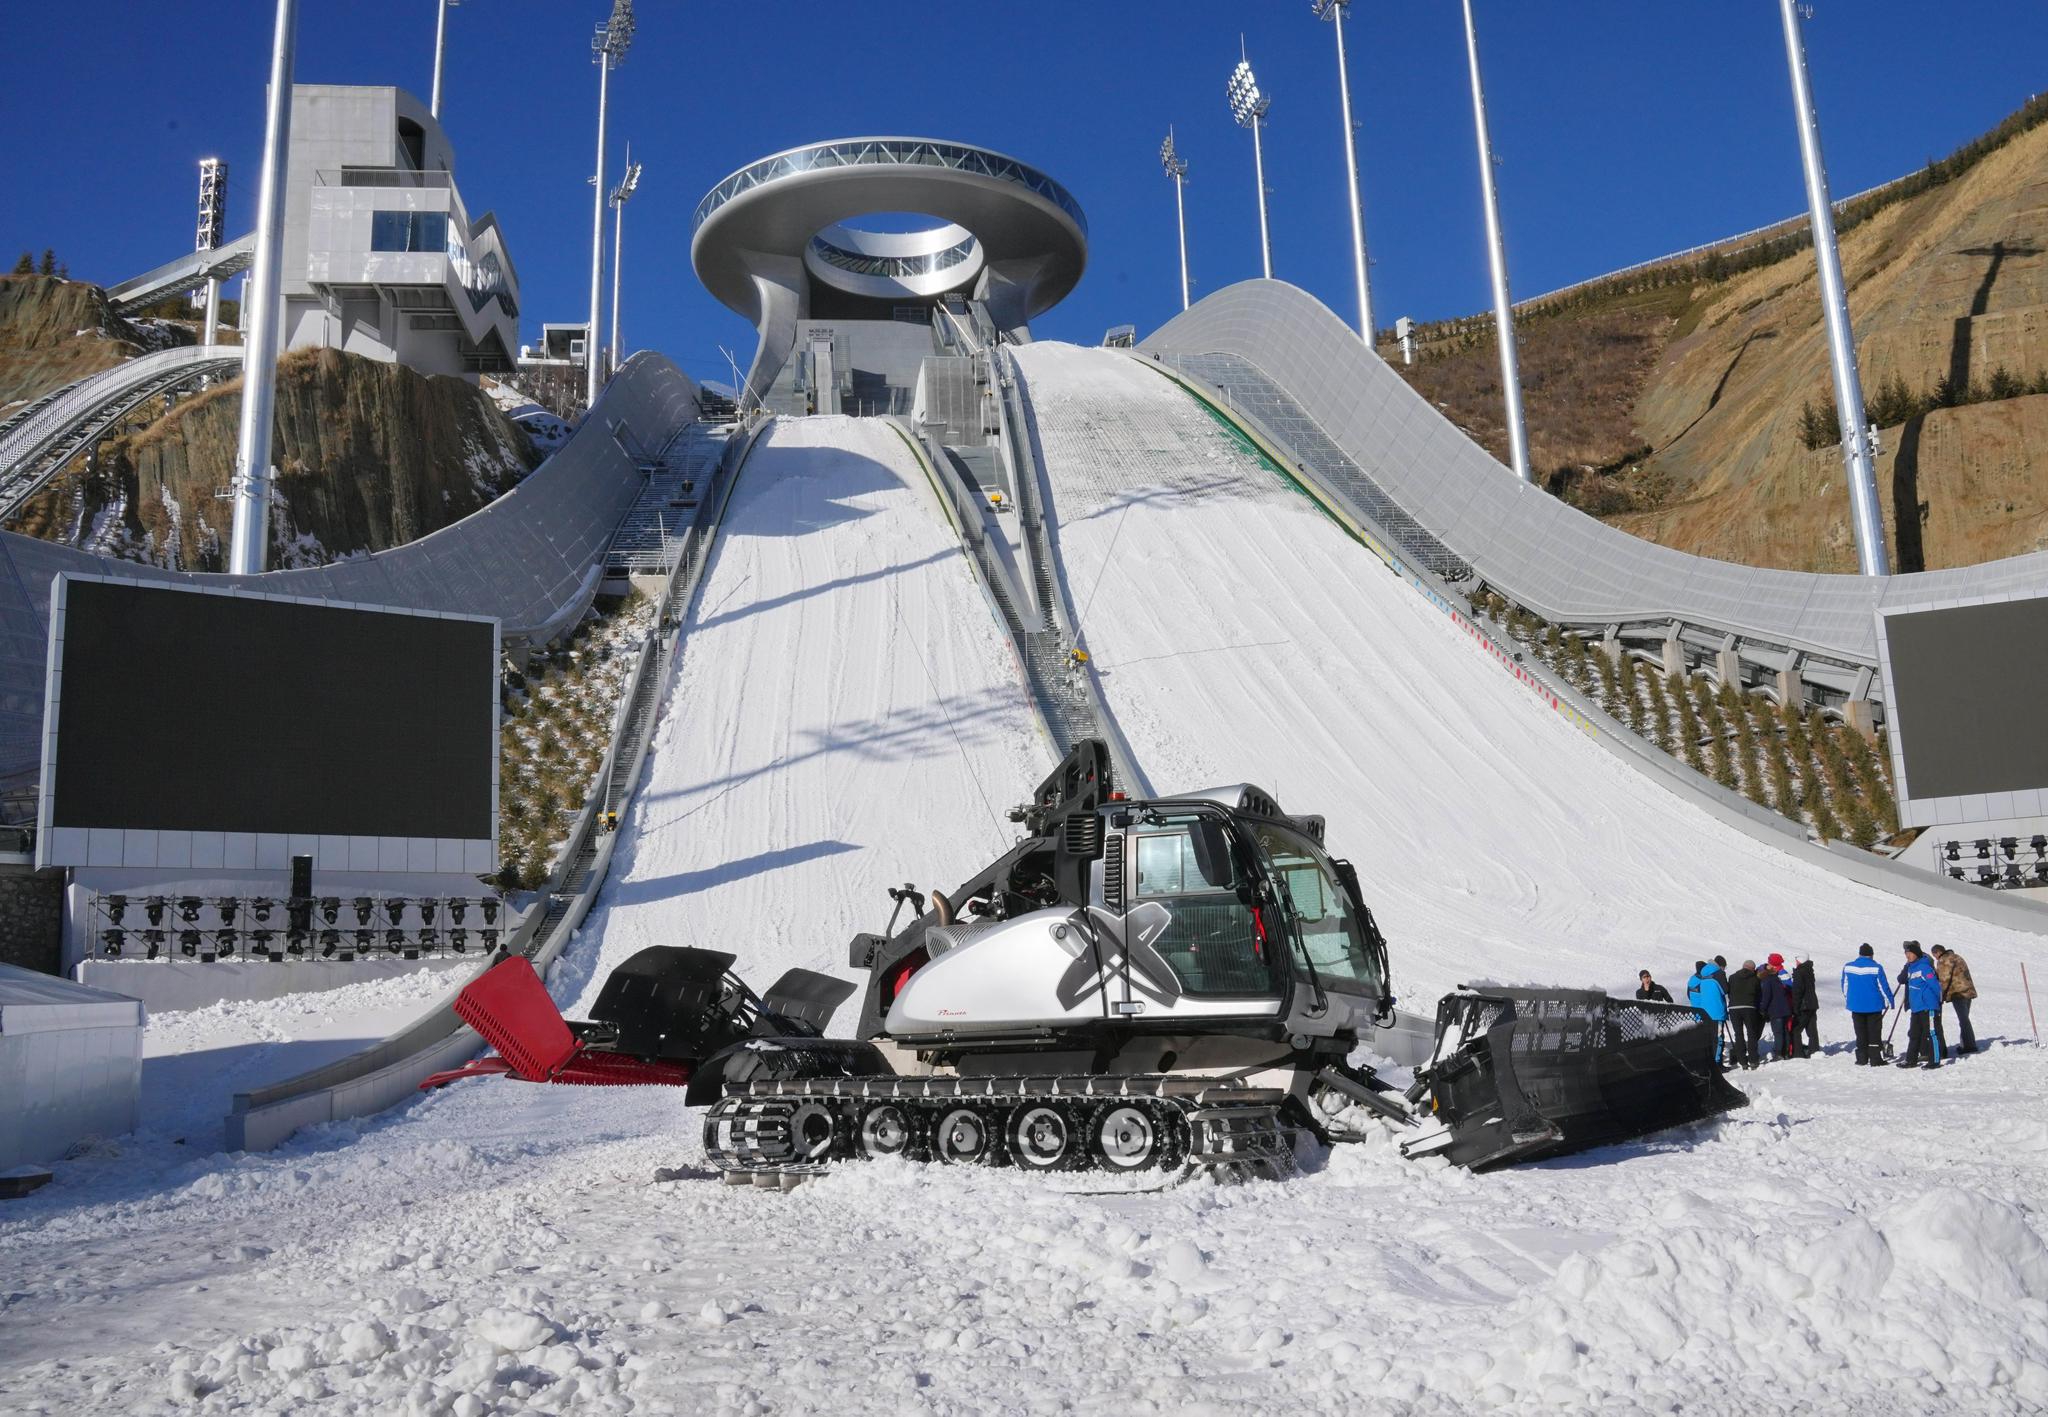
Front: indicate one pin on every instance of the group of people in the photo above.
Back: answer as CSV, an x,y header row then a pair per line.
x,y
1787,1000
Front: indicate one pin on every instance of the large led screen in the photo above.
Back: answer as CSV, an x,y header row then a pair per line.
x,y
1968,685
196,711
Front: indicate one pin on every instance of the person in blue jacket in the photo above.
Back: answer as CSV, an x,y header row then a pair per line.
x,y
1867,994
1707,991
1923,998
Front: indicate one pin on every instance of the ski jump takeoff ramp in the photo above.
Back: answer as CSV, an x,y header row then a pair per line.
x,y
846,715
1240,634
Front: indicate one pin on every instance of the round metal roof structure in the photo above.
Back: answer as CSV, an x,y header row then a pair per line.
x,y
989,211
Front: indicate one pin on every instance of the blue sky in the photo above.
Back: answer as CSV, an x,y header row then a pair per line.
x,y
1626,128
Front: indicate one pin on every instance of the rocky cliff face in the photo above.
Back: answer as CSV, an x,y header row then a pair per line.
x,y
1676,411
369,456
55,331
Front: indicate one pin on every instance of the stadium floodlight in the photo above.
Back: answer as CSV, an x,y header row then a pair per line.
x,y
1249,105
1177,168
262,295
1497,259
607,50
1333,11
1866,514
440,43
628,185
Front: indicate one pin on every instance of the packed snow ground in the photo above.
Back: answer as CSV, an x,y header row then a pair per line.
x,y
1854,1241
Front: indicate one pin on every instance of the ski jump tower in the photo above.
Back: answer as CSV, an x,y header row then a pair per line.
x,y
781,242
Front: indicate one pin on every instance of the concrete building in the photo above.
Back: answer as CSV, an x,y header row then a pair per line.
x,y
381,256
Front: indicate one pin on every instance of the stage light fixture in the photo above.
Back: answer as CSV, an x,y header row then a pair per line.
x,y
224,943
2009,845
295,942
394,940
117,906
2041,870
394,909
330,908
2040,845
189,907
188,943
430,940
427,910
155,941
110,941
259,940
1983,849
2012,873
490,940
260,908
457,908
362,905
490,909
1955,851
226,908
330,941
458,940
1986,875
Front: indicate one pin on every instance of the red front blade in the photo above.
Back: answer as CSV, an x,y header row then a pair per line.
x,y
510,1007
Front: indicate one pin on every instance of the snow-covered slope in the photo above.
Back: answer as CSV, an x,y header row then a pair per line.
x,y
846,716
1240,635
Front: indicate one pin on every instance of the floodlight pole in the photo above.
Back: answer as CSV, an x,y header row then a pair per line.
x,y
1177,168
627,186
1871,556
1497,257
1249,106
249,546
1333,10
440,43
607,49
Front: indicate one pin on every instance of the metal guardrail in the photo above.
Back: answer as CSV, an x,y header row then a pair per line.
x,y
35,447
390,1071
1089,716
187,271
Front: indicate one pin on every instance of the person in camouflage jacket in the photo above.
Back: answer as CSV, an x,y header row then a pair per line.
x,y
1957,990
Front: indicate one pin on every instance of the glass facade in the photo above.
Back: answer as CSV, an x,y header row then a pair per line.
x,y
903,152
892,267
410,231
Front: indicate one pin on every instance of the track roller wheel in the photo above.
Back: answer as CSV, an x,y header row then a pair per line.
x,y
1044,1138
811,1132
884,1131
1127,1137
963,1138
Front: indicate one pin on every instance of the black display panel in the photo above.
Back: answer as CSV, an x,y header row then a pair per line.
x,y
1970,684
200,712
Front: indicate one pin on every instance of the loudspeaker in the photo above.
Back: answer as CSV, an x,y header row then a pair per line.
x,y
299,908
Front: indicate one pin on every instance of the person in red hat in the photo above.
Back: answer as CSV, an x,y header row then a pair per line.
x,y
1774,1006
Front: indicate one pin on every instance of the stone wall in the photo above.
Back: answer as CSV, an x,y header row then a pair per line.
x,y
32,921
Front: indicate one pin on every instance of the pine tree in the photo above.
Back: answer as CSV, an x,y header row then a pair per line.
x,y
1824,824
1576,672
1660,710
1783,795
1716,721
1860,829
26,266
1629,683
49,265
1610,682
1752,766
1688,727
1876,784
1834,762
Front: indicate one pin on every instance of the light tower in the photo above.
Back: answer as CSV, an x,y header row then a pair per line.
x,y
249,544
1497,257
1177,168
1249,105
1871,555
440,42
628,184
1333,11
607,50
213,214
